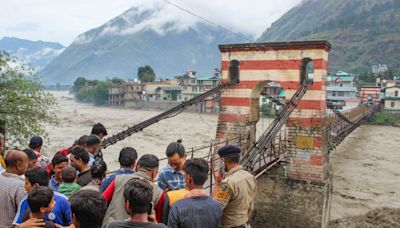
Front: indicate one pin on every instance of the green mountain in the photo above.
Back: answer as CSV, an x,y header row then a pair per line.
x,y
363,32
138,37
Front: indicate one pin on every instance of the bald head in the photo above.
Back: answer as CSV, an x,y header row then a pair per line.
x,y
16,162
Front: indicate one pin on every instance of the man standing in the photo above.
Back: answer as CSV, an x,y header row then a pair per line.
x,y
171,176
93,148
138,195
238,189
147,168
127,160
12,189
88,208
79,160
36,144
58,163
99,130
196,210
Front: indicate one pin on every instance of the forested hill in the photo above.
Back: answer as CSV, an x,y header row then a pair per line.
x,y
363,32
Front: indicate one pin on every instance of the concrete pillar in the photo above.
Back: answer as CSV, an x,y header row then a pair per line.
x,y
300,197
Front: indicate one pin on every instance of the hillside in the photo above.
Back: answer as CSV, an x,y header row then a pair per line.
x,y
37,54
363,32
135,38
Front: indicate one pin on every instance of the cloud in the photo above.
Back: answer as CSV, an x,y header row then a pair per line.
x,y
24,27
63,20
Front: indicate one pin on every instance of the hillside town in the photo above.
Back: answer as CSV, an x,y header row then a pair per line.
x,y
342,93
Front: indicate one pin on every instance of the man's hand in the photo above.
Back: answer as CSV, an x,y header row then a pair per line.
x,y
32,223
152,217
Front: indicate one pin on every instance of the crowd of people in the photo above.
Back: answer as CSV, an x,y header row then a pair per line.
x,y
75,189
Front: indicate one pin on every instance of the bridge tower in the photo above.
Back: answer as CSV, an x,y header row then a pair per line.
x,y
301,198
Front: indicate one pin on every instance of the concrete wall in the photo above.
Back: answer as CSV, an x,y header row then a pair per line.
x,y
285,202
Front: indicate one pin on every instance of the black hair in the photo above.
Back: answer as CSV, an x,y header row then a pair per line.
x,y
234,158
175,148
148,161
127,156
98,129
68,174
80,153
92,140
82,140
197,168
37,176
139,194
98,169
89,208
31,155
59,159
40,197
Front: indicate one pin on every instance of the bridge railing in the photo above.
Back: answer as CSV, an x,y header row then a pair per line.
x,y
340,124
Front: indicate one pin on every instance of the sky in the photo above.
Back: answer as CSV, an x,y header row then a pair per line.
x,y
63,20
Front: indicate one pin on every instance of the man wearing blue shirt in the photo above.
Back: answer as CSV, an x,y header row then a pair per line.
x,y
58,163
61,213
171,176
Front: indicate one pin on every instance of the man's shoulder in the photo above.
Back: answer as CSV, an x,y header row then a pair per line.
x,y
166,169
11,179
59,197
24,202
238,176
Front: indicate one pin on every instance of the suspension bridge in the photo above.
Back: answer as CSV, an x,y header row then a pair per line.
x,y
299,139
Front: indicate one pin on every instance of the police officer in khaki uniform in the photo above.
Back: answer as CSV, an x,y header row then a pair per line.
x,y
238,189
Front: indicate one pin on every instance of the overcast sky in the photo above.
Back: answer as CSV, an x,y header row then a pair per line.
x,y
63,20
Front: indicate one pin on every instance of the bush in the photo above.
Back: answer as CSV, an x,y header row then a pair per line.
x,y
384,118
94,91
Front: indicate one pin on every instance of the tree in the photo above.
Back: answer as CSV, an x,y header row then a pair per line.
x,y
146,74
79,83
25,108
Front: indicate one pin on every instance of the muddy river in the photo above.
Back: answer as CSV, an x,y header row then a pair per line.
x,y
365,165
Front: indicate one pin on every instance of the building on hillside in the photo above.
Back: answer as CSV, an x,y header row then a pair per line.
x,y
133,92
380,68
371,94
171,93
385,83
116,96
341,91
193,85
272,96
154,91
392,99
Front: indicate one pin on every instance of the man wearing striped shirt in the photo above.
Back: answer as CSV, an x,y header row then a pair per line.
x,y
196,210
171,176
12,189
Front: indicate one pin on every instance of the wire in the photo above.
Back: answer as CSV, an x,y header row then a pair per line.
x,y
202,117
208,21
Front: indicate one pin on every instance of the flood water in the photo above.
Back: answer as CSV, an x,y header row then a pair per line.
x,y
365,165
366,171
